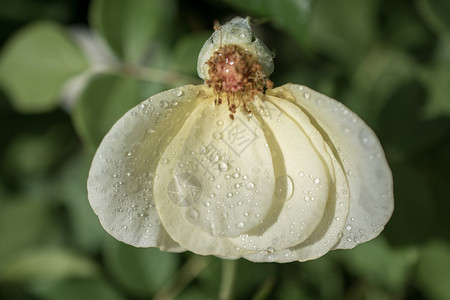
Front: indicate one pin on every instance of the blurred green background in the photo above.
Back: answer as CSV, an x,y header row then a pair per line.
x,y
69,69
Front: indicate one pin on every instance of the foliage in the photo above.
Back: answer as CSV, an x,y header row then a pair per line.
x,y
70,69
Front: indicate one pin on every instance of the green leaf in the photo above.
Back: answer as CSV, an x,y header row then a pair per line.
x,y
291,15
436,13
76,289
186,52
192,293
20,157
24,221
413,197
46,264
433,272
87,232
35,64
142,271
325,276
343,29
290,289
380,73
437,80
104,101
380,264
130,27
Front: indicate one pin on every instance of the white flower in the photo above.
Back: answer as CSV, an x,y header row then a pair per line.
x,y
224,169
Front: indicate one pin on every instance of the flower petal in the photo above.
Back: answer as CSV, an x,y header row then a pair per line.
x,y
121,176
329,230
301,187
361,156
215,181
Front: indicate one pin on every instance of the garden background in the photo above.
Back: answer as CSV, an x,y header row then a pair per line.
x,y
70,69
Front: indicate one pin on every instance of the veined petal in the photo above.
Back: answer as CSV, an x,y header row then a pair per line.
x,y
120,183
216,180
326,234
302,186
329,231
360,155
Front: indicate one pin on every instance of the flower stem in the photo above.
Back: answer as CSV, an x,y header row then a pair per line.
x,y
189,271
228,275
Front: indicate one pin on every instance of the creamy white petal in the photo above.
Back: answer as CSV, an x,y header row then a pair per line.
x,y
328,232
361,156
215,180
120,183
302,185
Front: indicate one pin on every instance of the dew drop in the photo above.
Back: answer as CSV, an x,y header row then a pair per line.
x,y
164,161
250,186
224,216
236,175
163,104
240,225
124,227
284,187
193,214
217,135
201,150
214,158
177,92
223,166
219,123
270,250
348,227
307,95
316,180
366,139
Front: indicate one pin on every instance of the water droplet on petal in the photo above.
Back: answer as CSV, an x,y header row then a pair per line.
x,y
270,250
217,135
163,104
177,92
240,225
284,187
348,227
223,166
193,214
250,185
316,180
